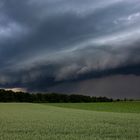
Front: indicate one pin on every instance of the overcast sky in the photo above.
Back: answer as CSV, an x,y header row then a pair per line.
x,y
71,46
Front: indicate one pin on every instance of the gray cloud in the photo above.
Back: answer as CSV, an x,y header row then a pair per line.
x,y
47,43
112,86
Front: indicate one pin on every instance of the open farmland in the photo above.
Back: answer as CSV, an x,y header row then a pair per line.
x,y
121,107
24,121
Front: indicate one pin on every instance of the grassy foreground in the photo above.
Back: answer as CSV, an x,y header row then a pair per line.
x,y
45,122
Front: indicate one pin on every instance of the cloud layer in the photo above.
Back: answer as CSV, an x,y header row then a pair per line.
x,y
51,42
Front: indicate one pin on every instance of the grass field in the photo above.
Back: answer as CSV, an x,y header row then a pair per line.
x,y
122,107
49,122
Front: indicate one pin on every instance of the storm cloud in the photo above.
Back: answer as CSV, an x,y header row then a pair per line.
x,y
49,43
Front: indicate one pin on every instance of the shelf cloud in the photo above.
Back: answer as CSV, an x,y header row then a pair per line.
x,y
50,43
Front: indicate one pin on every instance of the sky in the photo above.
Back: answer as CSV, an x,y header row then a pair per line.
x,y
89,47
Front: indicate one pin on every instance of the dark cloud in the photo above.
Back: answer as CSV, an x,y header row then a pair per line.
x,y
48,43
113,86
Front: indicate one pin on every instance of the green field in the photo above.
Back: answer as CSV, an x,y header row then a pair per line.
x,y
121,107
23,121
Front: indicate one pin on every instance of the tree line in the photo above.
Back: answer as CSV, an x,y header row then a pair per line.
x,y
11,96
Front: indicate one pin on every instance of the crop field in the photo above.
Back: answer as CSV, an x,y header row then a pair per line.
x,y
94,121
121,107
